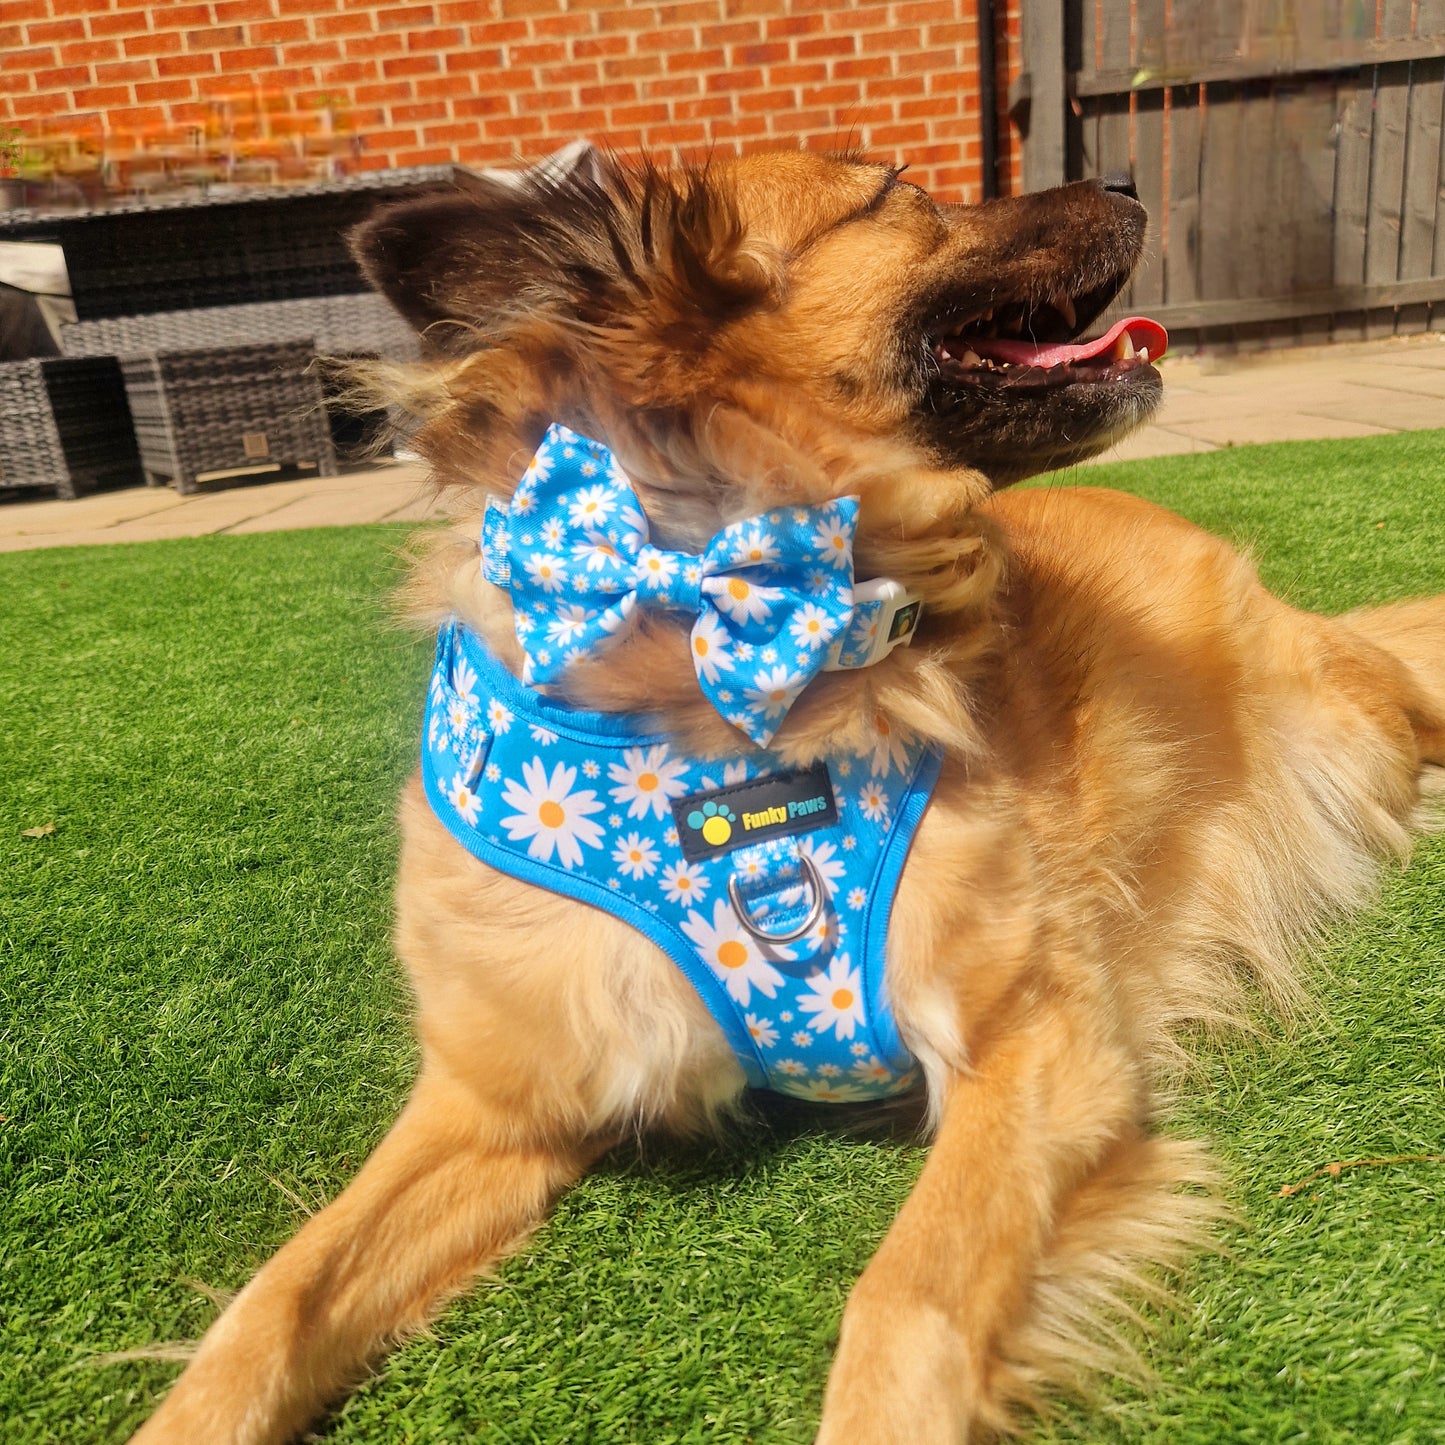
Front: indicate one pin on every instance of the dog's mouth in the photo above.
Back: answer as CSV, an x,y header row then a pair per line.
x,y
1015,349
1009,385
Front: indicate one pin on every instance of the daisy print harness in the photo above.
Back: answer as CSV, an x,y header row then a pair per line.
x,y
769,885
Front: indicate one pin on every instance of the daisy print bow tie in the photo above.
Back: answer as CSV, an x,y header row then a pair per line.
x,y
770,594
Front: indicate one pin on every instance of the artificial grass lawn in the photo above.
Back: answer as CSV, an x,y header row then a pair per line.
x,y
204,1030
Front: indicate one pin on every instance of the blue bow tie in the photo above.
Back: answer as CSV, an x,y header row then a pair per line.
x,y
770,594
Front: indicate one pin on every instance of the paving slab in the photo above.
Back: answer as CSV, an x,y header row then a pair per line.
x,y
1154,441
142,514
376,499
1406,378
1284,426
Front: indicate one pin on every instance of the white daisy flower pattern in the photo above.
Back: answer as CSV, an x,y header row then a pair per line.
x,y
635,856
890,751
597,554
762,1032
466,802
592,506
756,549
683,882
872,1070
710,655
550,815
773,692
742,601
835,998
824,1091
824,857
464,680
812,626
569,623
631,523
548,571
873,803
654,569
647,780
732,953
834,541
459,715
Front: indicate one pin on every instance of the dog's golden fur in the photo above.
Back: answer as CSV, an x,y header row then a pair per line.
x,y
1159,779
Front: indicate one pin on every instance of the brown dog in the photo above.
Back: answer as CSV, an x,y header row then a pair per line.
x,y
1158,779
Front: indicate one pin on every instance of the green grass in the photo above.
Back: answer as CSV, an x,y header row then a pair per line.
x,y
202,1025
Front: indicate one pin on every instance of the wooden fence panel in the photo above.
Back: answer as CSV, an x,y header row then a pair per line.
x,y
1147,288
1220,146
1314,116
1291,154
1421,183
1115,51
1352,196
1387,162
1181,222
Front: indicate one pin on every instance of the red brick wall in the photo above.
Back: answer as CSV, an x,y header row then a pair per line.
x,y
289,88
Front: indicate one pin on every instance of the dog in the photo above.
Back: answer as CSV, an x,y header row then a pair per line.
x,y
1155,782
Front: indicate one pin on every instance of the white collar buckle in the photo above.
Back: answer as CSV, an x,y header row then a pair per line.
x,y
886,615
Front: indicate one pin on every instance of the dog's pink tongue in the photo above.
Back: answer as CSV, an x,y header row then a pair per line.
x,y
1144,334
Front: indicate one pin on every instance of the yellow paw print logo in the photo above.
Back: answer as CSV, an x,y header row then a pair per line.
x,y
714,821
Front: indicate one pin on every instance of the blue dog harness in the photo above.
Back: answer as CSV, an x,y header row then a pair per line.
x,y
769,885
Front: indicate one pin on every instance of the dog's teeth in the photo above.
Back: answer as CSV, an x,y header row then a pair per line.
x,y
971,358
1124,348
1143,353
1065,307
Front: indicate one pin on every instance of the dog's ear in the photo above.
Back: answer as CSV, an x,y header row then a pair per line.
x,y
615,253
454,257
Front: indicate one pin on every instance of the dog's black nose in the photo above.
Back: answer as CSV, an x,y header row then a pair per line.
x,y
1120,182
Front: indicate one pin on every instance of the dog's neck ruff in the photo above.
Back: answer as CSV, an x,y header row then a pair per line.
x,y
774,595
770,886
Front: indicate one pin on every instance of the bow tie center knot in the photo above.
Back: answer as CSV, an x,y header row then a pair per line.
x,y
668,581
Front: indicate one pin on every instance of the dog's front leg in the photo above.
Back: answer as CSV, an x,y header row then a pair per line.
x,y
452,1186
1044,1113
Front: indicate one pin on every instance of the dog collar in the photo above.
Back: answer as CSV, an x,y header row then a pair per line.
x,y
774,596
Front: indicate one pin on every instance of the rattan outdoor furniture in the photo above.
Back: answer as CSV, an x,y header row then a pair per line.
x,y
230,247
219,412
217,306
64,423
356,324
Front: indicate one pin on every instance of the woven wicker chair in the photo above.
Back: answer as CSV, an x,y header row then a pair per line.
x,y
64,423
203,413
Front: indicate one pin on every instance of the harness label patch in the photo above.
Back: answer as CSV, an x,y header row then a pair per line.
x,y
710,824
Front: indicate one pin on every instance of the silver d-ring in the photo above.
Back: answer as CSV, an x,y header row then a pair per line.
x,y
735,897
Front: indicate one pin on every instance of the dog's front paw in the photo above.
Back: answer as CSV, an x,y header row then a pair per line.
x,y
902,1376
